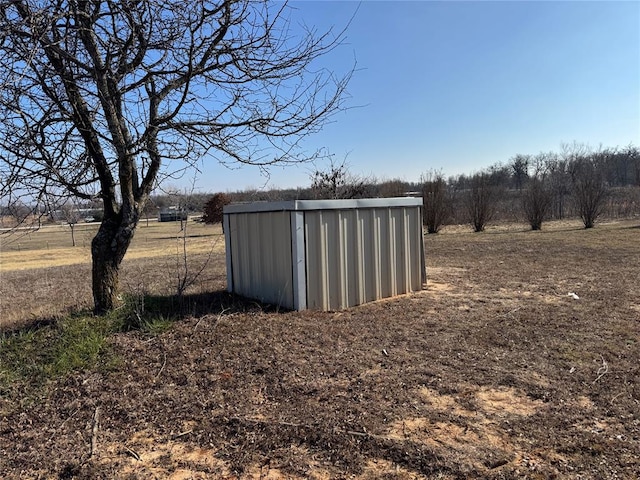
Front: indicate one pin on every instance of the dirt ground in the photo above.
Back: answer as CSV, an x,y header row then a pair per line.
x,y
519,360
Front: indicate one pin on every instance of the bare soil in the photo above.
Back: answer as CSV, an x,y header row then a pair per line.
x,y
519,360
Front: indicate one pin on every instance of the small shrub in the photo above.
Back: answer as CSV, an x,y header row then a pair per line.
x,y
214,207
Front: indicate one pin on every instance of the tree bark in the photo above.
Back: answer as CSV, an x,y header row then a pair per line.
x,y
108,248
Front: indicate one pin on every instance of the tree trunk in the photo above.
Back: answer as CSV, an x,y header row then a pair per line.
x,y
73,234
108,248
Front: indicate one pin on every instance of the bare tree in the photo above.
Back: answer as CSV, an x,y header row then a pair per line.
x,y
537,196
634,159
105,99
589,190
70,214
559,184
150,210
337,182
481,200
520,170
437,201
536,201
18,213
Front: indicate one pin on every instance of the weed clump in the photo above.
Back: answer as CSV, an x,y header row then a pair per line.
x,y
33,356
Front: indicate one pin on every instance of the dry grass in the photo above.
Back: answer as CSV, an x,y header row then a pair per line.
x,y
43,276
493,371
51,246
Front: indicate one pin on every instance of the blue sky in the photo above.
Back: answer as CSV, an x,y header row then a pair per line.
x,y
459,86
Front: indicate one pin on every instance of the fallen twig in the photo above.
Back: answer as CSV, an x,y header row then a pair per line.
x,y
613,399
255,420
362,434
132,453
509,313
602,370
224,310
358,434
94,432
182,434
164,363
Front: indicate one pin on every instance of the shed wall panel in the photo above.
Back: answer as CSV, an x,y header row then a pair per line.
x,y
369,242
356,256
261,260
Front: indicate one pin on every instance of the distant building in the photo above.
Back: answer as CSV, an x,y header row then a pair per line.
x,y
172,214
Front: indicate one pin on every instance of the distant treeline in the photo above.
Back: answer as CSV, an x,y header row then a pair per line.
x,y
566,180
510,189
609,177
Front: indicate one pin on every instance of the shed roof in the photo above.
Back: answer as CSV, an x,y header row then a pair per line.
x,y
300,205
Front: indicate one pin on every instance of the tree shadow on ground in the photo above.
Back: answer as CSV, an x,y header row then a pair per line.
x,y
203,304
137,311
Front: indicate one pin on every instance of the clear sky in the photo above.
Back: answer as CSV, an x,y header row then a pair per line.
x,y
458,86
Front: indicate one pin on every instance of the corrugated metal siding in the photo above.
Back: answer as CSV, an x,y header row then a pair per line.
x,y
261,256
359,255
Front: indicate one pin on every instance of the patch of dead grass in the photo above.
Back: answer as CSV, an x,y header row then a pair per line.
x,y
161,240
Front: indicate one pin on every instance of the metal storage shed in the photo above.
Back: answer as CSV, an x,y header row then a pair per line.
x,y
324,254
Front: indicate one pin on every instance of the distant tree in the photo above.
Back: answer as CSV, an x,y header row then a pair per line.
x,y
195,201
160,201
437,201
70,214
391,188
536,201
150,209
559,182
17,212
634,159
499,176
520,170
97,215
105,99
617,165
213,208
337,182
537,196
179,202
589,189
481,199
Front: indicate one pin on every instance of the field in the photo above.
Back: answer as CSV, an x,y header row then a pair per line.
x,y
43,276
518,360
